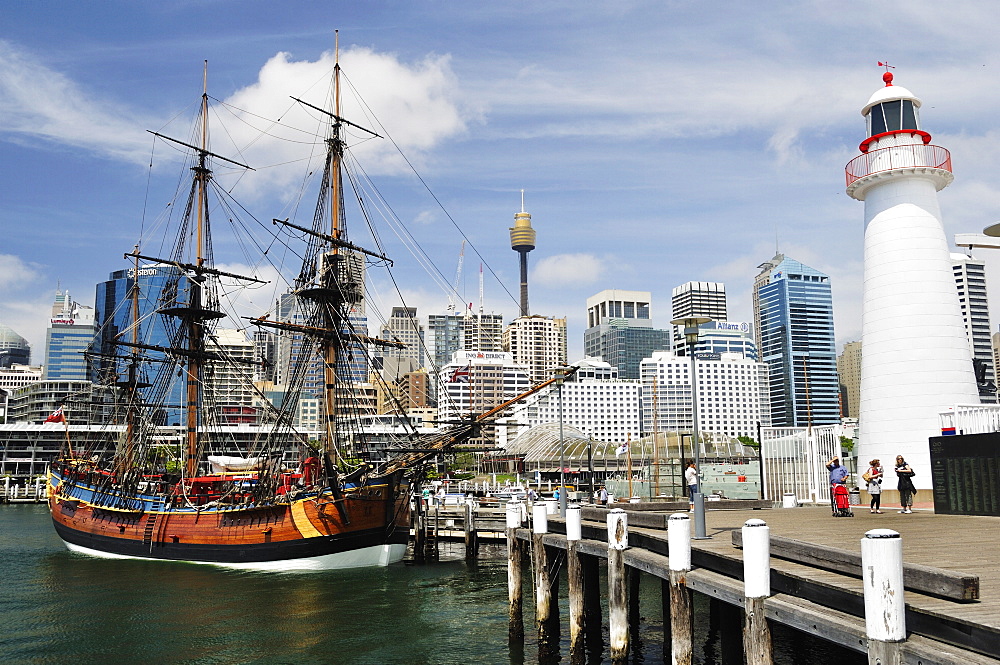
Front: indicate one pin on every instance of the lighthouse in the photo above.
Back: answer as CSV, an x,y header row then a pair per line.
x,y
915,357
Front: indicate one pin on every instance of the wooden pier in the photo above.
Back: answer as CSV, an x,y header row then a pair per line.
x,y
950,566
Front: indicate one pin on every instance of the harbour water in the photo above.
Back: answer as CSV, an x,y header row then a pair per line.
x,y
57,607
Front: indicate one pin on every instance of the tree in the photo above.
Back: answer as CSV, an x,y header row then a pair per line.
x,y
847,443
749,442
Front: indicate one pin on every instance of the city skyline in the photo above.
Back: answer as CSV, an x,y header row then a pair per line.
x,y
684,151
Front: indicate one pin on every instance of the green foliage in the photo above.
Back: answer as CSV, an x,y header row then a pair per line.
x,y
847,443
749,442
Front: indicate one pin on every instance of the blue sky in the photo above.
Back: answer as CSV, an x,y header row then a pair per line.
x,y
657,142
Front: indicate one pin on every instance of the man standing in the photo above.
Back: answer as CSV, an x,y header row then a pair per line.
x,y
838,472
691,478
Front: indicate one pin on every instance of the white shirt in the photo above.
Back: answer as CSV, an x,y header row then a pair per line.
x,y
691,476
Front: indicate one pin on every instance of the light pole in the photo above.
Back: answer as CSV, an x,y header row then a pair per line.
x,y
560,377
691,324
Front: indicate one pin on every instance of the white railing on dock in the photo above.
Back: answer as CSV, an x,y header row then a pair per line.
x,y
11,492
794,462
971,419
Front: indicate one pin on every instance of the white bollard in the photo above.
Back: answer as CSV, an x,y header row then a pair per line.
x,y
514,514
679,541
574,522
617,529
681,625
540,518
882,570
756,559
552,505
757,647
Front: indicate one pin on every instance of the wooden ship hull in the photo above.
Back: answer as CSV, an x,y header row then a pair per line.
x,y
368,526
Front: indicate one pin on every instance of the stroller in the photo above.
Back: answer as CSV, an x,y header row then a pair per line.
x,y
841,503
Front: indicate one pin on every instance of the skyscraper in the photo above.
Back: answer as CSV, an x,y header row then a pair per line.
x,y
71,330
849,371
14,349
696,299
793,309
970,279
113,316
538,344
732,394
620,330
699,299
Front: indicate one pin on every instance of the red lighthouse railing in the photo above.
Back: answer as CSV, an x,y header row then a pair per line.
x,y
897,157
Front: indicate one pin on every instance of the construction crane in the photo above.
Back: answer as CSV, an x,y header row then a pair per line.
x,y
458,277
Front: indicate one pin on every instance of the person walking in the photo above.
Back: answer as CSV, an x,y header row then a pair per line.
x,y
873,476
905,485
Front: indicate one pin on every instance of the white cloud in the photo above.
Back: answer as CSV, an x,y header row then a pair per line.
x,y
568,269
416,105
39,103
15,272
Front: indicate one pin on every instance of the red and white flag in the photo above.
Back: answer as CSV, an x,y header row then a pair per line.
x,y
56,416
462,373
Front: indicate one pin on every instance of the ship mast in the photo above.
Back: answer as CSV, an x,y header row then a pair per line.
x,y
194,313
333,314
196,336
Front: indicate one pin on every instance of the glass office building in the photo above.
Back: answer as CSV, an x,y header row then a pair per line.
x,y
113,318
793,311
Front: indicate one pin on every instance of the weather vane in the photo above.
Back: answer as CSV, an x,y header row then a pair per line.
x,y
886,65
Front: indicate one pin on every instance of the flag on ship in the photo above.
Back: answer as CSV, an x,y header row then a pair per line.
x,y
460,374
56,416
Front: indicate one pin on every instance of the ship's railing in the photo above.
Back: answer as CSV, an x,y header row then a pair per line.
x,y
897,157
971,419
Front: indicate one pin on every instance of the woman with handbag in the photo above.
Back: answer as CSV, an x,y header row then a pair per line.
x,y
905,486
873,476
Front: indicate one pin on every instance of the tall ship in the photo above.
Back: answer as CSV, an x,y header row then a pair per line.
x,y
179,498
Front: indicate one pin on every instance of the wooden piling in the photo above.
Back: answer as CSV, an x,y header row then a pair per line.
x,y
592,611
471,535
681,605
617,585
757,647
515,555
634,579
546,611
574,573
419,529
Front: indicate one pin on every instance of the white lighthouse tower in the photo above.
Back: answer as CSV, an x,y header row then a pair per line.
x,y
915,358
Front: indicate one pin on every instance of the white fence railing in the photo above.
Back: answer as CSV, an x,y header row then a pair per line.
x,y
11,492
971,419
794,462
